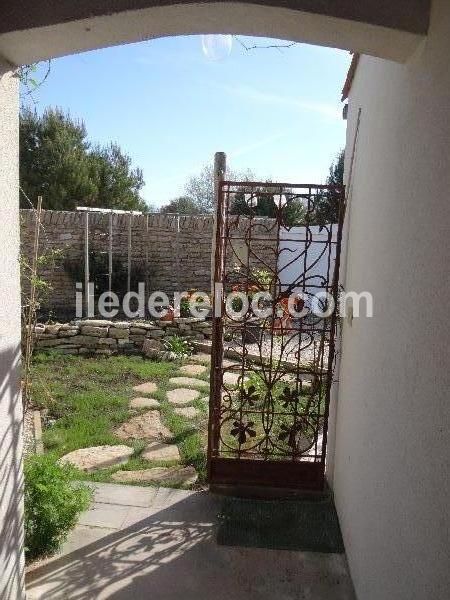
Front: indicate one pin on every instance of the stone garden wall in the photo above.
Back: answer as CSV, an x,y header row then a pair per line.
x,y
168,253
120,337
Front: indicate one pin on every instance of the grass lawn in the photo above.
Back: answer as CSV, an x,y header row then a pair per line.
x,y
86,398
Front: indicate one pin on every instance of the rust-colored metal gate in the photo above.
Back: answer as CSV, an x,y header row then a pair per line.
x,y
272,364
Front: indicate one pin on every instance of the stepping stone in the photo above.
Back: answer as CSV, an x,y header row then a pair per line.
x,y
144,403
146,388
201,358
160,451
141,427
160,475
188,381
182,396
228,363
232,378
193,369
97,457
188,411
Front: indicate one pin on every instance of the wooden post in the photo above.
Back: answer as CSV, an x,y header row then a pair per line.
x,y
177,253
110,251
220,168
147,277
129,253
32,305
86,263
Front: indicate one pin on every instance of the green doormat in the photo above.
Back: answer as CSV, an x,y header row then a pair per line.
x,y
310,525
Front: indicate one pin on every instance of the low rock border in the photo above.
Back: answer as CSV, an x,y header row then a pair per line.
x,y
102,337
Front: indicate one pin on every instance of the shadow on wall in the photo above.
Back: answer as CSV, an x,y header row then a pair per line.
x,y
11,476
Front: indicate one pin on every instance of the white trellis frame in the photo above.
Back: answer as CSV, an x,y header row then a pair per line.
x,y
111,211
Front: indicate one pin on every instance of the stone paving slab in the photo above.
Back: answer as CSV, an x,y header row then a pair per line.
x,y
181,396
143,427
168,551
144,403
146,388
111,516
231,378
125,495
193,369
161,475
189,412
188,382
97,457
201,358
158,451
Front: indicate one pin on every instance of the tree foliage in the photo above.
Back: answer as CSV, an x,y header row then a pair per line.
x,y
201,187
327,207
184,205
58,162
293,213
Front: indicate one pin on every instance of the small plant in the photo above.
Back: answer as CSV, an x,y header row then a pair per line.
x,y
195,299
263,278
178,346
53,501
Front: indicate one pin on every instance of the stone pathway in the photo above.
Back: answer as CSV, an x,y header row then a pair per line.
x,y
97,457
161,475
181,396
143,427
149,426
148,542
157,451
193,369
201,358
189,412
232,378
144,403
145,388
188,382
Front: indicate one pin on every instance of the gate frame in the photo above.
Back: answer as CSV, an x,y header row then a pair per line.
x,y
240,472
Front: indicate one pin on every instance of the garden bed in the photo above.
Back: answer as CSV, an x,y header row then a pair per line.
x,y
85,401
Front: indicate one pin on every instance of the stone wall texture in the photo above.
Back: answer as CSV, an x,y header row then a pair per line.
x,y
168,253
104,337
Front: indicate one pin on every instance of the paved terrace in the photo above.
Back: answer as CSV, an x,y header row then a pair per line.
x,y
159,543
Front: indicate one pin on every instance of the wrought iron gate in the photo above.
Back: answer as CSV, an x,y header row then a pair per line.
x,y
272,363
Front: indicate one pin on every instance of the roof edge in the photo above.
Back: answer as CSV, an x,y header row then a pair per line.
x,y
350,76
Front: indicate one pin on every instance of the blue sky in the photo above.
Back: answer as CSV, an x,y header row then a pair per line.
x,y
170,105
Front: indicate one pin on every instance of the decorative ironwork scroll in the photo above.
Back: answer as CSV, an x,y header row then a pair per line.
x,y
272,360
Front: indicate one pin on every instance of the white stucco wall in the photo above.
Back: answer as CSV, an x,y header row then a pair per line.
x,y
391,469
11,543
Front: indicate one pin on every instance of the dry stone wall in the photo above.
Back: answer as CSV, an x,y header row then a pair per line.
x,y
168,253
117,337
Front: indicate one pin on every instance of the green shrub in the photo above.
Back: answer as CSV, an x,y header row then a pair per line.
x,y
53,501
178,346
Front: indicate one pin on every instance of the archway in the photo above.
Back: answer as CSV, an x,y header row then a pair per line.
x,y
27,39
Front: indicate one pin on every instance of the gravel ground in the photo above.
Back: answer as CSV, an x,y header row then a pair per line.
x,y
28,433
282,348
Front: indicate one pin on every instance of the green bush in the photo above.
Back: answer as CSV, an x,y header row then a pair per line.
x,y
53,501
179,346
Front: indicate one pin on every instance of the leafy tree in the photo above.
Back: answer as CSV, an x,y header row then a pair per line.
x,y
54,160
293,213
201,187
327,210
58,163
183,205
118,185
